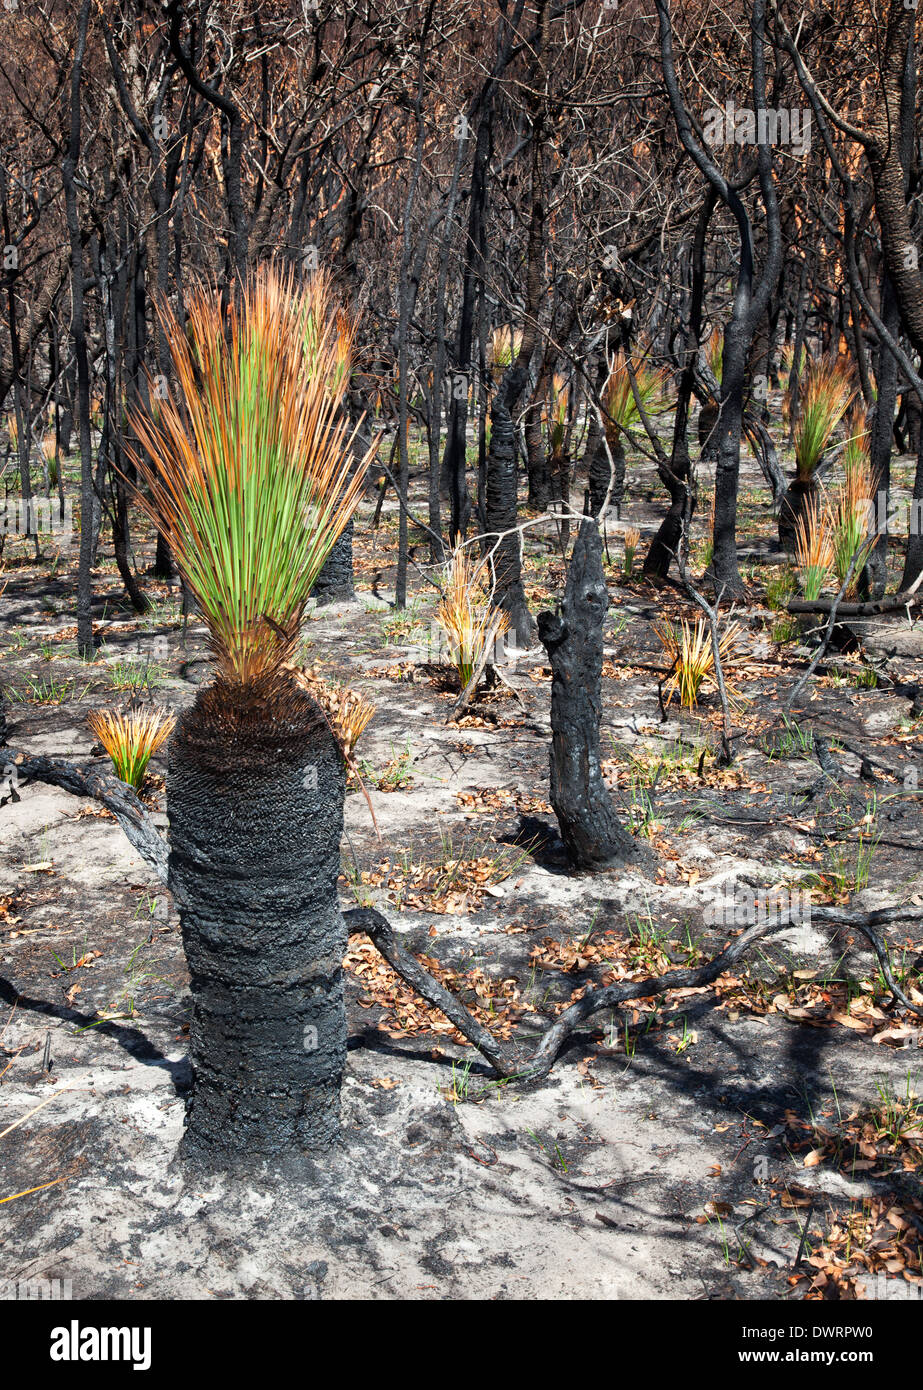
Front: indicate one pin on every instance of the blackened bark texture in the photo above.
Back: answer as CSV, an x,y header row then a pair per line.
x,y
255,795
907,425
708,419
726,576
501,517
500,490
335,580
163,566
573,639
538,465
888,146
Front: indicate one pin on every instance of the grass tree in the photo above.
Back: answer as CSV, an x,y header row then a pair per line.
x,y
825,399
248,475
854,520
131,739
467,616
814,548
620,413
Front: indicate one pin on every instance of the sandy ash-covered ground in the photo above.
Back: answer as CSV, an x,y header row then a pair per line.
x,y
758,1138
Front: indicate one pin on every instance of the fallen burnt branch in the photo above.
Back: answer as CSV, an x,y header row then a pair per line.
x,y
138,825
115,795
381,933
892,603
543,1059
871,609
535,1067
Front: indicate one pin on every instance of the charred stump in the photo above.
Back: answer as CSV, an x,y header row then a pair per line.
x,y
255,790
573,638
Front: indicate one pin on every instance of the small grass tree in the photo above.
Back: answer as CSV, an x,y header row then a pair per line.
x,y
620,413
249,476
825,400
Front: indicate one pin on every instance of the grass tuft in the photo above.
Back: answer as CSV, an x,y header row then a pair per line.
x,y
131,739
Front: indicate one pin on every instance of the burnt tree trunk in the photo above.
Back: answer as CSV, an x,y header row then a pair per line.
x,y
255,791
500,499
538,465
573,638
708,419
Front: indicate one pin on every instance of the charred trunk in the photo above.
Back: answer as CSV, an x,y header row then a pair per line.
x,y
873,578
163,567
255,793
573,639
538,465
501,515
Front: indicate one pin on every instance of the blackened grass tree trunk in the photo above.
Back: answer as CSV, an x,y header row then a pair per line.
x,y
251,477
255,794
750,303
573,638
501,507
335,581
596,459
